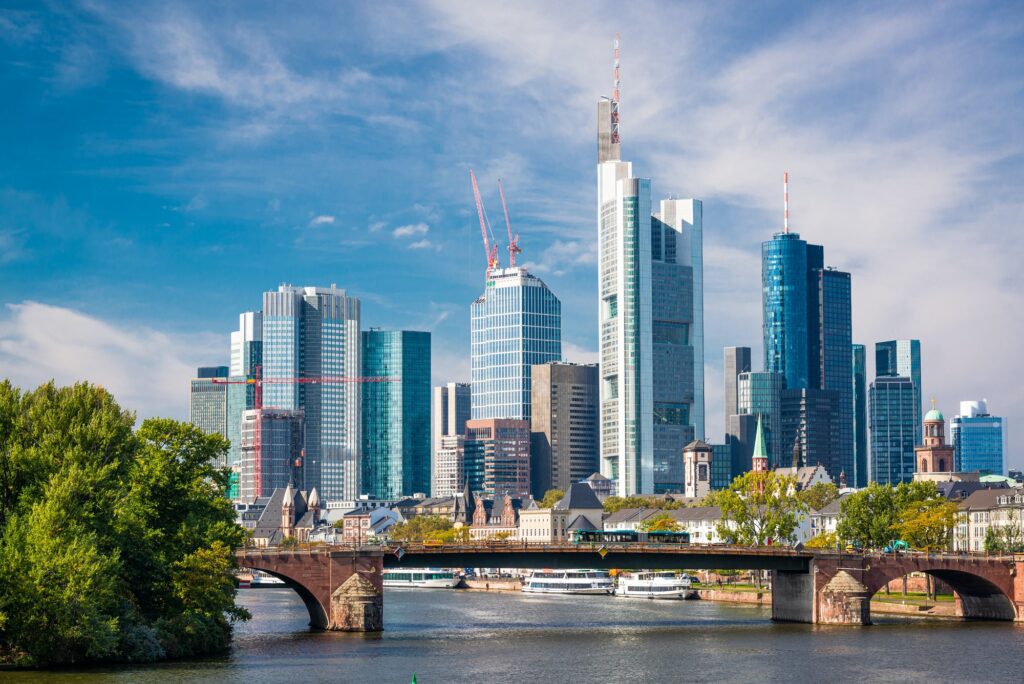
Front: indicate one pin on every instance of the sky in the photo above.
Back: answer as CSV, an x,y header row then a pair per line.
x,y
165,163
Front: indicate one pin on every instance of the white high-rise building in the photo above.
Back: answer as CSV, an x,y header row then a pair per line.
x,y
651,326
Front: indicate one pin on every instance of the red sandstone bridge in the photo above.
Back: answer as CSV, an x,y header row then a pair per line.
x,y
342,586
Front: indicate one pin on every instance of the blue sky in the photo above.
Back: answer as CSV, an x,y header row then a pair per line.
x,y
165,163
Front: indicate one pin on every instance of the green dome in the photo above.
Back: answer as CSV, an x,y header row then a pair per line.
x,y
935,415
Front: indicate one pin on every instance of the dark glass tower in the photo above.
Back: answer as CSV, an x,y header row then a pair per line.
x,y
784,280
902,358
859,477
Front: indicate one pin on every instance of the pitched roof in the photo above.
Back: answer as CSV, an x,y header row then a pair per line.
x,y
630,515
696,513
983,499
597,477
581,522
760,448
580,495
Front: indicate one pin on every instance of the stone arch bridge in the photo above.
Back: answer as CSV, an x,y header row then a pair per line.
x,y
342,587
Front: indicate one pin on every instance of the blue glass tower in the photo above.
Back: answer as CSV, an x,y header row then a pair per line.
x,y
893,429
902,358
396,415
977,439
516,323
246,355
784,279
859,477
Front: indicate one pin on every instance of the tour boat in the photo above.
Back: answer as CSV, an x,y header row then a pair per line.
x,y
568,582
421,578
261,579
655,585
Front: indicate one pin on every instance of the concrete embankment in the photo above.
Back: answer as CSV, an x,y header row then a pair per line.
x,y
498,584
764,598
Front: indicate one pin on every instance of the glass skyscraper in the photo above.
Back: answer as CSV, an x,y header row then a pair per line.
x,y
977,439
894,431
208,402
311,334
902,358
651,323
760,395
784,278
396,415
859,476
246,355
516,323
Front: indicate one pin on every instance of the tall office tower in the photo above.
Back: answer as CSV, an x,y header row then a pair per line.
x,y
497,457
516,323
737,360
449,466
451,410
807,338
893,408
809,423
859,477
741,432
902,358
312,333
563,426
246,355
721,466
274,459
760,395
650,318
396,414
977,438
208,401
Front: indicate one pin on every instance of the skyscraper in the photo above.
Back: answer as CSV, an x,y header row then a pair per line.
x,y
859,477
313,333
650,315
894,433
902,358
396,414
449,475
208,401
977,438
737,360
516,323
784,277
451,409
246,356
760,395
497,457
275,459
563,426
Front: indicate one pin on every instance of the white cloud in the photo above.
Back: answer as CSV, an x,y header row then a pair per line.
x,y
146,370
411,230
421,244
322,219
574,353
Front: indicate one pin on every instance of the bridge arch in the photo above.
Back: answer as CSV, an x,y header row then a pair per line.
x,y
982,592
318,617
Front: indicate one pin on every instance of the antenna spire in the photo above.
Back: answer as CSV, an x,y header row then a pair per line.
x,y
785,201
615,94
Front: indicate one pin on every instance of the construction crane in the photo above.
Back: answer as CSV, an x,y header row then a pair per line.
x,y
491,252
513,242
257,381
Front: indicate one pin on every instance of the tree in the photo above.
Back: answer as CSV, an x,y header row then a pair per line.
x,y
660,522
819,495
928,524
825,540
871,518
420,528
758,507
551,497
616,503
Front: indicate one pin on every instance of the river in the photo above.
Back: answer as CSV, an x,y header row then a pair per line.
x,y
460,636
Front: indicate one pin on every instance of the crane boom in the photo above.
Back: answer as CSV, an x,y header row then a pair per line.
x,y
513,242
491,253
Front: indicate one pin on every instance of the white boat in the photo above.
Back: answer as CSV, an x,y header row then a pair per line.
x,y
568,582
655,585
262,579
419,577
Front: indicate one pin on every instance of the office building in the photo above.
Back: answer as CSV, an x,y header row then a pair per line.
x,y
721,466
859,477
246,357
396,414
311,350
892,403
563,425
496,458
809,429
650,318
760,394
977,438
451,410
737,360
449,466
208,407
516,323
271,452
902,358
740,435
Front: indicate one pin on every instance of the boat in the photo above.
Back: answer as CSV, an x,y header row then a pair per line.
x,y
568,582
261,579
423,578
655,585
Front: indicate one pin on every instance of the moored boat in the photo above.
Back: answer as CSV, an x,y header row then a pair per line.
x,y
569,582
655,585
422,578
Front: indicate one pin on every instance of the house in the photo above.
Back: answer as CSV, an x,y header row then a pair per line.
x,y
489,520
806,476
628,518
825,520
601,485
988,509
361,525
546,525
288,513
701,522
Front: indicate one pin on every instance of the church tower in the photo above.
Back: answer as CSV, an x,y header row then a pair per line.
x,y
760,457
934,456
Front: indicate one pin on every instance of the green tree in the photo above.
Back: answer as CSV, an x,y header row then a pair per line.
x,y
871,518
616,503
929,524
551,497
819,495
758,507
420,528
660,522
825,540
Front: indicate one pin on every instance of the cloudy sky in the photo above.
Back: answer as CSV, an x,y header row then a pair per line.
x,y
163,164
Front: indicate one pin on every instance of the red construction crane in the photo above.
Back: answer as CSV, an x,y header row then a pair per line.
x,y
490,252
513,242
257,381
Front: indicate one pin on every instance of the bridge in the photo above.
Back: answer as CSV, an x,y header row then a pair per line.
x,y
342,586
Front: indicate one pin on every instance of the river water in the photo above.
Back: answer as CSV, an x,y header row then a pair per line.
x,y
461,636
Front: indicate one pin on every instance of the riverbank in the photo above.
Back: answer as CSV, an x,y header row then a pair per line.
x,y
492,584
891,605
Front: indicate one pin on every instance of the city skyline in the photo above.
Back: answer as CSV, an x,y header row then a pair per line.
x,y
178,288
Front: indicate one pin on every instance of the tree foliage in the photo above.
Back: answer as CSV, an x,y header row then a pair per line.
x,y
758,507
1004,538
115,544
421,528
659,522
928,524
616,503
825,540
874,516
551,497
819,495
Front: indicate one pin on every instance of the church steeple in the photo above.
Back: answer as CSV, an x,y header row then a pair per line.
x,y
759,460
